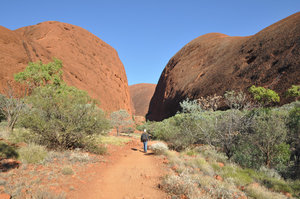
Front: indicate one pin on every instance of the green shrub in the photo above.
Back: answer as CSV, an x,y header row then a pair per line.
x,y
62,118
7,151
32,154
248,155
270,125
294,91
264,96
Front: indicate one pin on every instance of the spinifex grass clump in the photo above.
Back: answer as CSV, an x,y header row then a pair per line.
x,y
32,154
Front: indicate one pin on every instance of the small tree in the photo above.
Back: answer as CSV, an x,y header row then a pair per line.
x,y
264,96
266,131
294,136
227,127
38,74
120,118
11,105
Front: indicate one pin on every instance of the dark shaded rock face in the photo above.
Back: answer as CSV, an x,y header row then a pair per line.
x,y
88,63
215,63
141,95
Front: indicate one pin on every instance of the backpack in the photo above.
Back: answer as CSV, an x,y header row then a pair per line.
x,y
144,137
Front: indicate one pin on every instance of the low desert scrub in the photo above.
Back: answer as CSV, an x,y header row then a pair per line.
x,y
93,144
75,156
198,174
200,163
237,175
259,192
33,154
111,140
159,148
42,194
67,170
181,185
80,157
210,153
272,173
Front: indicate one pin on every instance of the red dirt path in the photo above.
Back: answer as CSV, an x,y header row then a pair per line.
x,y
128,174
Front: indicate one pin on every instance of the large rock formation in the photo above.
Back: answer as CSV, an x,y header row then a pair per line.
x,y
88,63
141,95
215,63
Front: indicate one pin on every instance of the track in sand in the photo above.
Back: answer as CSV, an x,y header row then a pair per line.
x,y
129,174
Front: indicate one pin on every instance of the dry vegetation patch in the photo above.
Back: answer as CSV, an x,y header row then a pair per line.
x,y
205,173
46,174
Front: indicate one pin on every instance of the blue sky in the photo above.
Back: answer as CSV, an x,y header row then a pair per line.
x,y
147,34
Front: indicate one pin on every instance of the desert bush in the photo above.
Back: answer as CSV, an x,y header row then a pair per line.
x,y
294,91
270,125
264,96
63,117
60,116
11,106
227,131
159,148
236,100
190,106
32,154
120,119
92,143
7,151
67,171
293,124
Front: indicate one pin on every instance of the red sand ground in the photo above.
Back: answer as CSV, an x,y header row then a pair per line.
x,y
128,174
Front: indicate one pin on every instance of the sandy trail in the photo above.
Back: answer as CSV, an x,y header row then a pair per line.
x,y
130,174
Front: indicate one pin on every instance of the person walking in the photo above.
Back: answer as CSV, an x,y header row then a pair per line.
x,y
145,139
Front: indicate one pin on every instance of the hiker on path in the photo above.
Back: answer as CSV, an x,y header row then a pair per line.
x,y
145,139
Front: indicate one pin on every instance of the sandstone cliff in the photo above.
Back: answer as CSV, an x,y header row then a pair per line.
x,y
88,63
216,63
141,95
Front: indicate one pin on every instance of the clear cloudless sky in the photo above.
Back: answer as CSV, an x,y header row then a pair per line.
x,y
147,33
